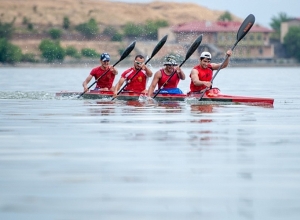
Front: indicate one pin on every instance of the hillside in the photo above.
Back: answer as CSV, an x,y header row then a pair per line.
x,y
51,13
47,14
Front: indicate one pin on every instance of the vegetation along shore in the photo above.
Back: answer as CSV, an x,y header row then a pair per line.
x,y
39,33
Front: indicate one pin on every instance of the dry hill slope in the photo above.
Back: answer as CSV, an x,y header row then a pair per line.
x,y
51,13
44,14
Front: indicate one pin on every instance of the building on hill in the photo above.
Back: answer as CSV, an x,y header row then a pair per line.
x,y
221,35
284,27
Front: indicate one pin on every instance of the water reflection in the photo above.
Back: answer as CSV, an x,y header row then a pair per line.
x,y
103,108
202,108
109,107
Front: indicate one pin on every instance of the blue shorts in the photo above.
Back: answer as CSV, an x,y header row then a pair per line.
x,y
170,91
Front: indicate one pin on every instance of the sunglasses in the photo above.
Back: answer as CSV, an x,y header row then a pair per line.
x,y
170,65
106,61
138,63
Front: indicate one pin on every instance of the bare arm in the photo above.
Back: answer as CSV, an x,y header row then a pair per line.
x,y
114,70
118,86
216,66
154,82
180,73
195,79
86,82
148,71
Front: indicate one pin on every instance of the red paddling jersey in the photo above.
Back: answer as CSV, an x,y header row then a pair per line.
x,y
106,81
204,75
138,83
173,82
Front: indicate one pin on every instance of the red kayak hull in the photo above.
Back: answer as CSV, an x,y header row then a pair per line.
x,y
212,95
122,96
215,95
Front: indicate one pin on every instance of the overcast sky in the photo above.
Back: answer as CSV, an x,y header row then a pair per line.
x,y
263,10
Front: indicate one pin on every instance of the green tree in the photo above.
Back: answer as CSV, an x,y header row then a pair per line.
x,y
9,53
87,52
148,30
133,30
113,33
6,30
276,24
117,37
66,23
55,33
73,52
226,16
51,50
89,29
30,26
25,20
151,28
292,42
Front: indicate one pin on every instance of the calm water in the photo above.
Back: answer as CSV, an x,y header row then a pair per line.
x,y
95,159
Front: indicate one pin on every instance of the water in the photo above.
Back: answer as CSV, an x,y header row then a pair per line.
x,y
95,159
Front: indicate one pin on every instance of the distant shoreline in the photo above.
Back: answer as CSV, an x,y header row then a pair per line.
x,y
155,64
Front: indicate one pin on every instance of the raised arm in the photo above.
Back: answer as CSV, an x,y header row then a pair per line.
x,y
216,66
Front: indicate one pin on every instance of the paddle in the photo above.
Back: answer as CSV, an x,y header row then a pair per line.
x,y
126,52
190,51
243,30
156,49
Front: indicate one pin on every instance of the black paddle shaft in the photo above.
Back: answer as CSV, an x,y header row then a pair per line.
x,y
189,53
126,52
243,30
155,51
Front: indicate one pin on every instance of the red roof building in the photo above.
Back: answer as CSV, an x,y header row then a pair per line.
x,y
221,35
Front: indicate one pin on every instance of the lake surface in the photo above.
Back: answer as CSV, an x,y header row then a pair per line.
x,y
68,158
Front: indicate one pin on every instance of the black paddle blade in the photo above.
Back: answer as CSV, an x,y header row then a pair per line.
x,y
159,46
245,27
194,47
127,51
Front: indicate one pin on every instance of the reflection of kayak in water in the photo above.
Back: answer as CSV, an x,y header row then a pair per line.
x,y
212,95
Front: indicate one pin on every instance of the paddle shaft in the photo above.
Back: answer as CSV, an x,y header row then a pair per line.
x,y
126,52
128,81
190,51
243,30
154,52
167,80
102,75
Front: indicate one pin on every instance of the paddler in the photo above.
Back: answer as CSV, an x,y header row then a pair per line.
x,y
105,81
201,75
167,85
135,77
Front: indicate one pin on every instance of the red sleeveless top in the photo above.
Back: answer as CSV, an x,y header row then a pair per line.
x,y
173,82
204,75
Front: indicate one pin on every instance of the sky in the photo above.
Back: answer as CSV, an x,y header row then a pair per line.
x,y
263,10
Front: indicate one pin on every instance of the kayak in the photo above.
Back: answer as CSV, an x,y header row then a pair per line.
x,y
215,95
127,96
211,96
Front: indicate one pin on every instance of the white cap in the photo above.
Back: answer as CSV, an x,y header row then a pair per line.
x,y
205,55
